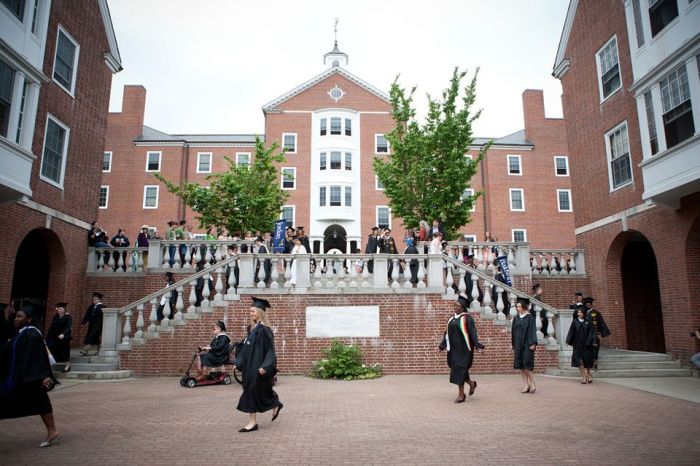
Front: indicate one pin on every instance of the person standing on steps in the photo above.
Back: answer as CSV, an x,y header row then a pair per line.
x,y
599,325
582,337
59,336
93,319
523,342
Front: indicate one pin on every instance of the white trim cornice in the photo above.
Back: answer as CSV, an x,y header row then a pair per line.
x,y
30,70
112,58
564,40
638,209
26,202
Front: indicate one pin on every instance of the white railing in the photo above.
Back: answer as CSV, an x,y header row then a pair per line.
x,y
117,260
557,262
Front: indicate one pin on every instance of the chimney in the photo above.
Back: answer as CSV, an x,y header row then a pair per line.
x,y
533,108
134,105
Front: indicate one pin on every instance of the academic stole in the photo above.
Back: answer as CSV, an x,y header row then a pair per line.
x,y
462,326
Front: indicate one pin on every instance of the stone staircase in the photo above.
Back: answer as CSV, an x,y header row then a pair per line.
x,y
91,368
624,364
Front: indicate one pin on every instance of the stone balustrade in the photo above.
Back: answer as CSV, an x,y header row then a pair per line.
x,y
557,262
117,260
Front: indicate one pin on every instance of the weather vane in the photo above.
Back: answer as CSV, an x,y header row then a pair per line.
x,y
335,30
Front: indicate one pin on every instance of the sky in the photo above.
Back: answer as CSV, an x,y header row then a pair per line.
x,y
209,66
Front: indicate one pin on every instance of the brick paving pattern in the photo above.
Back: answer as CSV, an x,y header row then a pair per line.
x,y
392,420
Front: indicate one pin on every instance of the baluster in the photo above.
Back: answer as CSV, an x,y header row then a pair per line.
x,y
449,280
511,298
365,274
138,336
287,263
111,262
461,280
198,254
500,305
489,267
188,256
139,261
166,311
341,274
275,274
120,262
421,271
192,309
475,305
126,331
543,264
100,261
318,275
232,278
553,264
179,306
407,275
153,317
177,264
395,273
219,287
206,292
207,258
166,256
511,257
353,275
460,255
538,321
572,263
486,303
217,252
551,333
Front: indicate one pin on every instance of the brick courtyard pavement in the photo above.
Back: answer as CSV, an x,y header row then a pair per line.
x,y
392,420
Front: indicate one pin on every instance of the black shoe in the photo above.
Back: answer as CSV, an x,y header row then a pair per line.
x,y
277,413
243,429
472,388
65,369
461,400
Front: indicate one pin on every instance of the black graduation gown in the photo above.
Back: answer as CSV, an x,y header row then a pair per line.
x,y
218,354
60,348
258,351
371,248
413,265
523,334
93,317
21,390
461,353
305,243
598,322
582,337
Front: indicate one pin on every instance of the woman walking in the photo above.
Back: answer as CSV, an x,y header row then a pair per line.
x,y
460,341
59,336
582,337
257,361
297,249
524,342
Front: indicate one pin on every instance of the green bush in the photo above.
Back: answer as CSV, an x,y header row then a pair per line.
x,y
344,362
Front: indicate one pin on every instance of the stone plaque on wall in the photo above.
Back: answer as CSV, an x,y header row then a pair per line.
x,y
342,321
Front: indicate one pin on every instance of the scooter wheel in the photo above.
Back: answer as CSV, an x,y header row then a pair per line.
x,y
183,381
226,380
191,383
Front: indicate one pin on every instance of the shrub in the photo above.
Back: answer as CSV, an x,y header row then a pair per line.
x,y
344,362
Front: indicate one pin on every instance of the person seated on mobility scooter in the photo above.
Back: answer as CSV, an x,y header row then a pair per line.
x,y
217,353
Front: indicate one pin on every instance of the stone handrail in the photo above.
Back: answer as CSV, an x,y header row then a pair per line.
x,y
557,261
485,252
117,260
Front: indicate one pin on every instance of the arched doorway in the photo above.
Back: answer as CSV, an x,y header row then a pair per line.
x,y
640,286
335,237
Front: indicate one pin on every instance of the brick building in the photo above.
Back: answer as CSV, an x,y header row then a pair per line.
x,y
629,72
333,126
56,64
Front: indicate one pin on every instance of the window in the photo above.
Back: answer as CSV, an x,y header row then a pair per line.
x,y
107,162
638,22
288,176
150,197
348,127
16,7
469,192
517,199
322,196
335,196
20,118
678,111
383,217
323,161
7,82
514,167
290,142
348,161
323,126
287,214
335,161
661,13
243,159
53,162
617,145
561,165
104,197
335,126
608,69
378,184
35,16
348,196
564,200
471,238
381,145
519,236
153,161
204,162
651,123
66,61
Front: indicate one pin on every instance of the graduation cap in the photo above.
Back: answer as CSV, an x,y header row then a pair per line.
x,y
300,228
524,302
262,304
464,301
63,305
290,228
97,295
535,286
375,228
221,325
588,300
580,306
578,293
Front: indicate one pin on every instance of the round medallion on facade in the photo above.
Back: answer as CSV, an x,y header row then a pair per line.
x,y
336,93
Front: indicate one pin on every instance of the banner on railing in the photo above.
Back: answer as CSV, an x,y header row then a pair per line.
x,y
278,239
503,264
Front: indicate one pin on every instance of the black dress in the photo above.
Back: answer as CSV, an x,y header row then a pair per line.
x,y
582,337
60,347
218,354
258,352
25,366
601,329
93,317
523,335
461,332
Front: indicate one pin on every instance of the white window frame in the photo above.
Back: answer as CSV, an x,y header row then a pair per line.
x,y
520,165
376,183
469,156
145,189
376,216
471,238
522,197
243,153
106,197
64,155
608,155
473,209
160,159
512,234
199,160
566,162
376,147
597,68
76,59
571,206
294,213
295,142
294,174
109,170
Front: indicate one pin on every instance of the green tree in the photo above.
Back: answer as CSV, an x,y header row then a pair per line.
x,y
427,172
241,198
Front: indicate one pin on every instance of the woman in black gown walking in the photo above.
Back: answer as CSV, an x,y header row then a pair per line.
x,y
582,337
59,336
524,341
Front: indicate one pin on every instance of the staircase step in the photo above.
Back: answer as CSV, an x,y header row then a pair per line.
x,y
87,359
93,367
572,372
632,356
102,375
609,365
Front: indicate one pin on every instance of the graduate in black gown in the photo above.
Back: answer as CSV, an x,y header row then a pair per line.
x,y
258,363
523,334
460,340
216,354
582,337
26,376
601,328
413,264
93,319
59,336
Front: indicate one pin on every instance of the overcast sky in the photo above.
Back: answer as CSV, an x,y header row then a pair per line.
x,y
209,66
